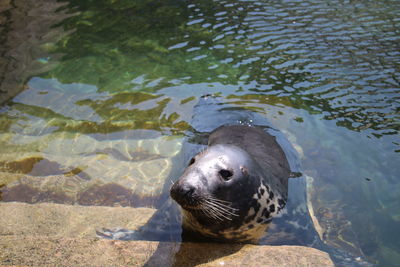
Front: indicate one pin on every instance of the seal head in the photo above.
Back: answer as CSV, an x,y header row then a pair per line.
x,y
226,195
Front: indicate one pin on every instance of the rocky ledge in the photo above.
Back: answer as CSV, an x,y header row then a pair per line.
x,y
64,235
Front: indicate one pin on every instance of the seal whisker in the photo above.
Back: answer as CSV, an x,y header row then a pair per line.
x,y
210,213
222,209
217,199
224,204
222,214
221,202
208,210
229,208
218,213
214,210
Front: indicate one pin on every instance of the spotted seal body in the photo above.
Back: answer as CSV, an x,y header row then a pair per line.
x,y
233,189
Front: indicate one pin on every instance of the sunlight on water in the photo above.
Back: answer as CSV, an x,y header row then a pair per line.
x,y
107,92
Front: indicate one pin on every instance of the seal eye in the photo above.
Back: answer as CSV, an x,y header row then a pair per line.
x,y
191,161
225,174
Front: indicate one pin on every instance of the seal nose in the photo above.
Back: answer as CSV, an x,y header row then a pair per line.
x,y
183,193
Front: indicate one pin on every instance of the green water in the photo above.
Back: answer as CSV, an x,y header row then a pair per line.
x,y
109,87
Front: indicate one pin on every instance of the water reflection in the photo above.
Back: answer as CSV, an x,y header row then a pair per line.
x,y
342,64
27,35
78,108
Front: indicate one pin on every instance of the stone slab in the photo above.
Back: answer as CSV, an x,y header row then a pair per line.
x,y
64,235
58,220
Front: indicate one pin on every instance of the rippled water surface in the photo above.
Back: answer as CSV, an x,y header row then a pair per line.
x,y
97,97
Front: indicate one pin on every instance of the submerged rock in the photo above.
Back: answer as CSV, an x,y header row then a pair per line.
x,y
72,168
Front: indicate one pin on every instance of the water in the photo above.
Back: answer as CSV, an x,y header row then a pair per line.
x,y
100,97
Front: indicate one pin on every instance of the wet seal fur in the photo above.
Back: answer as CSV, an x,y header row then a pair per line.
x,y
233,189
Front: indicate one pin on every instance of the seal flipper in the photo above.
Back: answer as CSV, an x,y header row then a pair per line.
x,y
117,234
164,225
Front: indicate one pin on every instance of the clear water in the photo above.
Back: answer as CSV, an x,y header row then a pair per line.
x,y
107,89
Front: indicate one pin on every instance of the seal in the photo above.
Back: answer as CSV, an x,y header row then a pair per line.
x,y
233,189
234,182
243,184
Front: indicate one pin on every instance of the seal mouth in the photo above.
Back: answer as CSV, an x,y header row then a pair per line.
x,y
213,208
199,203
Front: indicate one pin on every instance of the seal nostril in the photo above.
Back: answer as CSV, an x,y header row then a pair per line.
x,y
191,161
183,194
226,174
188,191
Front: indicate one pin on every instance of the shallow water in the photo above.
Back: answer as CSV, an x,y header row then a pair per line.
x,y
100,98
